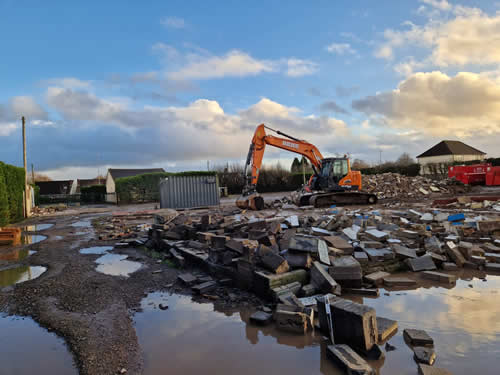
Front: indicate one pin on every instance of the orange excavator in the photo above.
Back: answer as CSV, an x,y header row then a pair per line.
x,y
333,181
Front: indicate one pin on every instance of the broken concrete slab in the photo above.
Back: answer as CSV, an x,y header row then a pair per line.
x,y
261,318
449,266
187,278
348,360
454,254
376,278
322,280
291,321
204,287
377,235
439,276
418,337
298,260
292,288
339,243
275,263
423,263
403,252
386,328
264,282
307,244
361,257
424,355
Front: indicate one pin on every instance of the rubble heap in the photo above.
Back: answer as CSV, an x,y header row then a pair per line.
x,y
394,185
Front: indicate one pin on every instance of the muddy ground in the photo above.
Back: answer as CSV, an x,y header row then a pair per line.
x,y
90,310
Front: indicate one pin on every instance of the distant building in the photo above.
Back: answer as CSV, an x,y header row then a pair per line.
x,y
56,187
114,174
435,161
88,182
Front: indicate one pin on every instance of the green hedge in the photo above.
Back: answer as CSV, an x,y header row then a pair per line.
x,y
93,194
145,187
12,181
494,161
409,170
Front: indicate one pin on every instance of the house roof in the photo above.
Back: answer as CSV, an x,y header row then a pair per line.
x,y
119,173
54,187
451,148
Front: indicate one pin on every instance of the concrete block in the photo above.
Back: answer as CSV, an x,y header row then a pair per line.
x,y
376,278
377,235
454,254
339,243
440,277
465,248
354,324
322,280
292,288
348,360
204,287
386,328
449,266
418,337
291,321
264,282
371,245
433,244
346,271
361,257
492,267
423,263
298,260
492,257
306,244
402,252
424,355
308,290
261,318
275,263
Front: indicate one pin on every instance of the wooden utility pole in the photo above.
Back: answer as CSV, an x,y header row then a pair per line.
x,y
32,174
26,208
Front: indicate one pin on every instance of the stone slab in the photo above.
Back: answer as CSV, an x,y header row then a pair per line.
x,y
386,328
439,276
423,263
348,360
424,355
418,337
429,370
376,278
322,280
399,282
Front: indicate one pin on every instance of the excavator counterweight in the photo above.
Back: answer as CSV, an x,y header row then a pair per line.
x,y
333,181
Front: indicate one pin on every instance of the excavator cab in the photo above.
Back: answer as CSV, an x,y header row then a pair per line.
x,y
336,175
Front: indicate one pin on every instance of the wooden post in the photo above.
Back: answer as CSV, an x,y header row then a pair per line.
x,y
26,208
32,174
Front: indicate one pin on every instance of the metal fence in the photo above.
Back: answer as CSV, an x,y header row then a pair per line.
x,y
189,191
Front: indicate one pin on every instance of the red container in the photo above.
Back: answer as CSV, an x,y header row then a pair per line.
x,y
493,176
470,174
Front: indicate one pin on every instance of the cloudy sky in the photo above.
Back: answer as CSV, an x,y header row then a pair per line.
x,y
175,84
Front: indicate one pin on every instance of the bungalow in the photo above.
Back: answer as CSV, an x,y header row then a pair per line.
x,y
114,174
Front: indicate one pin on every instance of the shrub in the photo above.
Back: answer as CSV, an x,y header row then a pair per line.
x,y
13,181
93,194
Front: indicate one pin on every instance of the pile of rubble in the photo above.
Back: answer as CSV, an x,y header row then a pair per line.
x,y
394,185
296,258
47,210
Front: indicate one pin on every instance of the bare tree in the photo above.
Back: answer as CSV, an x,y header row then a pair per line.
x,y
405,159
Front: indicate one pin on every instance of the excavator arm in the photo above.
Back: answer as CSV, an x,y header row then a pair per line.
x,y
258,146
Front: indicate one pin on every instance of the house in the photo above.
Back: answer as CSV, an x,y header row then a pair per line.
x,y
114,174
56,187
88,182
435,161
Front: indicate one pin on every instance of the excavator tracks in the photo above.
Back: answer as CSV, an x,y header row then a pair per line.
x,y
342,198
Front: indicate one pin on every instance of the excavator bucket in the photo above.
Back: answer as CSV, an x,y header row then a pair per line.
x,y
253,202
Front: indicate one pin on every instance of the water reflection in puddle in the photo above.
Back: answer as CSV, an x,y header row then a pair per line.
x,y
81,224
29,239
15,254
96,250
116,265
192,338
463,322
26,348
20,274
37,227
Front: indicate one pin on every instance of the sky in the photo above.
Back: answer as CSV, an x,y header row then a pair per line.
x,y
183,84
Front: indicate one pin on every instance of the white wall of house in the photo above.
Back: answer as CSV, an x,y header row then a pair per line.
x,y
110,189
444,160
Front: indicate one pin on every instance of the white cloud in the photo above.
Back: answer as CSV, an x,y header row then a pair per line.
x,y
340,48
7,129
470,36
68,83
466,105
299,68
439,4
201,65
173,22
19,106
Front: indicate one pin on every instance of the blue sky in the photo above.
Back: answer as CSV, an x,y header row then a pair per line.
x,y
174,84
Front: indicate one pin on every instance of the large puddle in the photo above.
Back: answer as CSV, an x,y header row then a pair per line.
x,y
37,227
116,265
81,224
190,338
26,348
30,239
20,274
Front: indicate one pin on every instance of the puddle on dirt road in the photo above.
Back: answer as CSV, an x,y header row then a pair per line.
x,y
190,338
81,224
30,239
20,274
116,265
14,255
98,250
27,348
37,227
